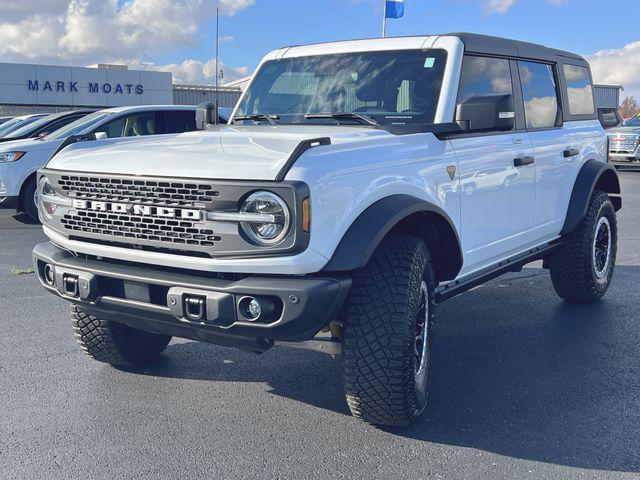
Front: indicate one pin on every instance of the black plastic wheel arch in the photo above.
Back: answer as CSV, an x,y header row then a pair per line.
x,y
592,174
379,219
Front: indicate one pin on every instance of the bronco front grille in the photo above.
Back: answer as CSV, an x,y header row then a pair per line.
x,y
133,227
148,192
623,143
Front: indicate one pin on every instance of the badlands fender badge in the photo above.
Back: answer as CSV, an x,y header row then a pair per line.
x,y
451,170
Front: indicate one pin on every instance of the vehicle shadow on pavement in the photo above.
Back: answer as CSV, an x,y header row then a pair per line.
x,y
25,219
516,372
309,377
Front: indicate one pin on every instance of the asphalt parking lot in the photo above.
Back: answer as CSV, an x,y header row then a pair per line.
x,y
524,386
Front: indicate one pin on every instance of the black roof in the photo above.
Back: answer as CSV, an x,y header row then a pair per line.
x,y
489,45
476,43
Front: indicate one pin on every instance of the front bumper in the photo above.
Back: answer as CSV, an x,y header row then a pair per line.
x,y
161,300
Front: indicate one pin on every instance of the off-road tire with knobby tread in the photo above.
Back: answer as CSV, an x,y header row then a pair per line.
x,y
571,265
115,343
380,318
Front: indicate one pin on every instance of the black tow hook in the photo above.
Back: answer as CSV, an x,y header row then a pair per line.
x,y
70,284
195,308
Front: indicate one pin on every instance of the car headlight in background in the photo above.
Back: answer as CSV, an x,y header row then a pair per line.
x,y
6,157
271,218
48,199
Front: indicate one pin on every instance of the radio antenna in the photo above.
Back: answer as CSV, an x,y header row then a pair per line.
x,y
215,114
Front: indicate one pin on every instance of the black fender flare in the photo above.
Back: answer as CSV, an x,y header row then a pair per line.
x,y
594,175
365,234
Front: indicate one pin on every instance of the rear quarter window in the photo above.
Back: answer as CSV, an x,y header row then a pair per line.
x,y
579,90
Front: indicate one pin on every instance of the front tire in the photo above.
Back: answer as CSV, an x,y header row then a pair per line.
x,y
115,343
388,334
582,267
28,201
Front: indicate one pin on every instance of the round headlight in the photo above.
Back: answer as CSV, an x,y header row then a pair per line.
x,y
277,219
45,194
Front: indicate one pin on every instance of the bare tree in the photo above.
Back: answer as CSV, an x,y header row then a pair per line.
x,y
629,107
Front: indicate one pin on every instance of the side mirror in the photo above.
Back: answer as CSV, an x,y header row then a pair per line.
x,y
609,117
101,135
487,112
205,113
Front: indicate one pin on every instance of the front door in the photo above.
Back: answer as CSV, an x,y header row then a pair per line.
x,y
497,196
497,176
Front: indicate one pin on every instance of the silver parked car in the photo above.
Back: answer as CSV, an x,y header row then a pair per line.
x,y
624,142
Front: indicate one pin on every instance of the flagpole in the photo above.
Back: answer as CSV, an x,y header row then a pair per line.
x,y
384,19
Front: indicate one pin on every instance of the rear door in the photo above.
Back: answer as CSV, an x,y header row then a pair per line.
x,y
497,178
555,147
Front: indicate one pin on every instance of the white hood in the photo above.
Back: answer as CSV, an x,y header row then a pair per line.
x,y
226,152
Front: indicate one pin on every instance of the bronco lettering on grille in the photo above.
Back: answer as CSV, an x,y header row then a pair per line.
x,y
146,210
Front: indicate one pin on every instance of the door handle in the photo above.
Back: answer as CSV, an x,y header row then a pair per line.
x,y
571,152
520,162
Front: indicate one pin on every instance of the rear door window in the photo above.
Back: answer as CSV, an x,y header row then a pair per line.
x,y
579,90
539,94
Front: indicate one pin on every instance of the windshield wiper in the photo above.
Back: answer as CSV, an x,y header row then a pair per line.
x,y
269,117
346,115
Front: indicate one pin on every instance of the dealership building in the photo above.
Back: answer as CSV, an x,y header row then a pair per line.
x,y
27,88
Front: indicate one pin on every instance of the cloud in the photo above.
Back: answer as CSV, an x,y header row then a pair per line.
x,y
195,71
541,111
620,66
557,3
90,31
497,6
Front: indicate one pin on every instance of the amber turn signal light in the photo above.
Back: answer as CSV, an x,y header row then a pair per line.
x,y
306,215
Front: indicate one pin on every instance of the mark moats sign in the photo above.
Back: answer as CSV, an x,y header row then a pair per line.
x,y
94,87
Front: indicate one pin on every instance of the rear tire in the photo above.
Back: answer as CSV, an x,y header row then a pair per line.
x,y
115,343
582,267
388,333
28,200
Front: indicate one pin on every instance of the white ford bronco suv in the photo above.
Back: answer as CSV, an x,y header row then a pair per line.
x,y
356,185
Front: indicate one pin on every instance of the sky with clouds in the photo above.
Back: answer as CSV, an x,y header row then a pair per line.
x,y
177,35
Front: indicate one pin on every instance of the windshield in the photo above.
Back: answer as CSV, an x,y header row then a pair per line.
x,y
27,129
15,123
79,126
397,87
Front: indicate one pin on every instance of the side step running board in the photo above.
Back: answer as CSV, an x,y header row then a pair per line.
x,y
513,264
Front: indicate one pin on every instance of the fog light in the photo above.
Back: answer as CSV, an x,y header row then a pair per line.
x,y
50,275
250,308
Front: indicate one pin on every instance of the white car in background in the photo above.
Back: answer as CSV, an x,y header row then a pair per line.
x,y
12,124
20,159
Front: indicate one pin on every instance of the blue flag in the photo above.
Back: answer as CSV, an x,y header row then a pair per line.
x,y
394,8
